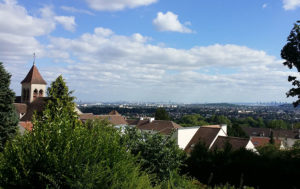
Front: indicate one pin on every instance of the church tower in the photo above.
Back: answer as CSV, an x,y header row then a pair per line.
x,y
33,86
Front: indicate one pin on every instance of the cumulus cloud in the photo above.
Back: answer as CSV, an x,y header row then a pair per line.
x,y
19,33
118,67
169,22
68,22
116,5
291,4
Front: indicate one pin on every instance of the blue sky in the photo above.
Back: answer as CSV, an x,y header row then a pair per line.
x,y
152,50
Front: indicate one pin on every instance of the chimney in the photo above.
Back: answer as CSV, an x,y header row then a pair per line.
x,y
151,119
224,128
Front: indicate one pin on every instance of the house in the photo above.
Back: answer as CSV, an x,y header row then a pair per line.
x,y
235,143
164,127
213,136
113,117
206,135
262,141
288,137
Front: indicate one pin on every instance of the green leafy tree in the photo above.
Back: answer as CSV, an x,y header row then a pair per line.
x,y
161,114
219,119
192,120
8,117
158,154
277,124
291,53
62,153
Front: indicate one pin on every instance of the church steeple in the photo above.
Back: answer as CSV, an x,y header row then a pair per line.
x,y
33,85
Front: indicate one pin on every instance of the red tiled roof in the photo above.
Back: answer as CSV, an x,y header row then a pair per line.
x,y
132,121
26,125
86,116
21,107
235,142
114,112
262,141
34,77
162,126
203,134
114,119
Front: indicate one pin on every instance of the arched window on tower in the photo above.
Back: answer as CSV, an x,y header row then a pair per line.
x,y
35,94
41,93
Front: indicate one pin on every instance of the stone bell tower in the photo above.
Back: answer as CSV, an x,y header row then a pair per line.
x,y
33,86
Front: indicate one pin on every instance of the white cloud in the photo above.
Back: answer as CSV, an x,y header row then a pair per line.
x,y
68,22
169,22
291,4
75,10
116,5
118,67
19,32
264,5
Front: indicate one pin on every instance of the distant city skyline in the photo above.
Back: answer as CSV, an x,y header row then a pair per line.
x,y
152,50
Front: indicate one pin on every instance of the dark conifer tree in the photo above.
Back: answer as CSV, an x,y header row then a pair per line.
x,y
8,117
161,114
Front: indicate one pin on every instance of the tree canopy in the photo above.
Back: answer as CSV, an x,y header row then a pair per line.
x,y
8,117
291,53
60,152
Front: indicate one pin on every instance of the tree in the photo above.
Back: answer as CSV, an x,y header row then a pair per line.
x,y
161,114
192,120
60,152
60,102
158,154
8,117
291,53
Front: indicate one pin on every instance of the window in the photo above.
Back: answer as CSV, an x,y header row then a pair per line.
x,y
35,94
41,92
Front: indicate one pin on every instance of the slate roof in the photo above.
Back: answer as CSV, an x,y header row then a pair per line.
x,y
203,134
235,142
161,126
21,108
37,105
34,77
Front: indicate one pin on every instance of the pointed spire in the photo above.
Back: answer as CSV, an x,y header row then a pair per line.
x,y
34,77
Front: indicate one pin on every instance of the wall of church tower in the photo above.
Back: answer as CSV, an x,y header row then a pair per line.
x,y
32,91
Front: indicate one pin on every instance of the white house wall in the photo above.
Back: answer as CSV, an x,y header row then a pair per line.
x,y
184,135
